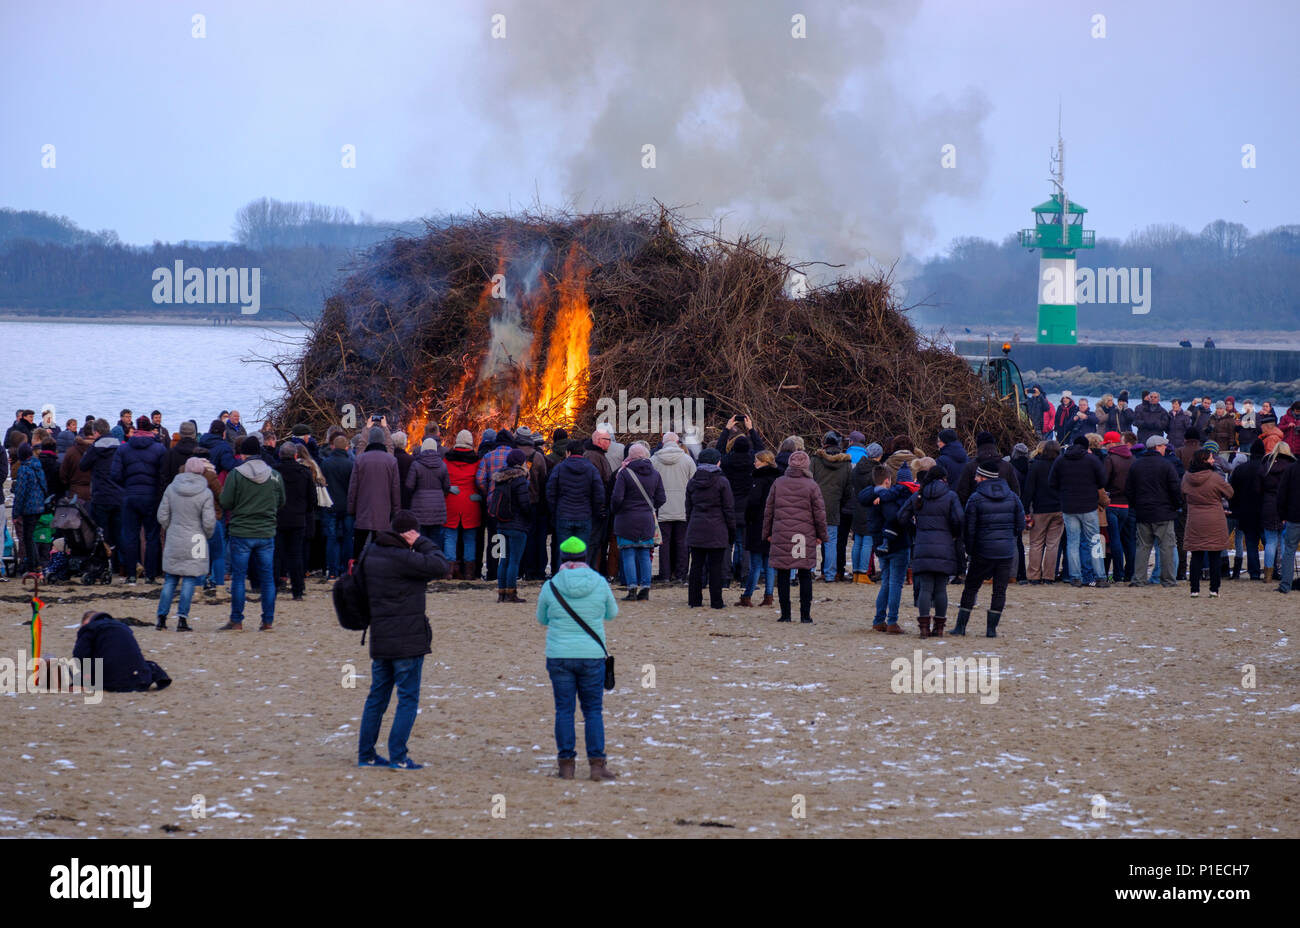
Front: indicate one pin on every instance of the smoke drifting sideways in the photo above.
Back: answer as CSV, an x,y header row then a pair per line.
x,y
814,142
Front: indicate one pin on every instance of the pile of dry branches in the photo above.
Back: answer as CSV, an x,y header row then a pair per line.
x,y
677,312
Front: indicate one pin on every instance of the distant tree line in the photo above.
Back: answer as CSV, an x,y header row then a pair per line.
x,y
1222,278
49,264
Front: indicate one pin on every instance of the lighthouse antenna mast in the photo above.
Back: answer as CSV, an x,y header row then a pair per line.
x,y
1058,176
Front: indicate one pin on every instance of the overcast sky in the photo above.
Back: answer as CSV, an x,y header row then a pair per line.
x,y
832,141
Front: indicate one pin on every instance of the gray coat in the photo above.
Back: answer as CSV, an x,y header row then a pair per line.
x,y
185,513
429,483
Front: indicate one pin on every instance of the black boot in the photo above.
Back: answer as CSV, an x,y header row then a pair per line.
x,y
644,594
963,615
992,630
182,624
631,594
162,622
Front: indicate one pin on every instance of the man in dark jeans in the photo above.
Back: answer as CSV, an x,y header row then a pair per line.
x,y
575,496
995,518
393,570
105,491
139,465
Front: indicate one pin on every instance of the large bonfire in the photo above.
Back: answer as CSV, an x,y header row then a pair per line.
x,y
532,320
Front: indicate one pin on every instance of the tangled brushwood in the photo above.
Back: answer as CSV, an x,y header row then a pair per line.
x,y
529,320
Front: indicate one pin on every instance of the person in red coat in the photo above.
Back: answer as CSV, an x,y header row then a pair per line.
x,y
464,506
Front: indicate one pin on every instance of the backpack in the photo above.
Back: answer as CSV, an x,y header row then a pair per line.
x,y
500,502
351,602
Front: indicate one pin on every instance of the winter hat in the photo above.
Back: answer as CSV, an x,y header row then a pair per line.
x,y
1067,395
1123,396
24,451
670,438
301,429
464,440
874,451
516,458
489,435
1021,449
574,547
576,442
376,436
1192,434
1080,440
985,438
712,456
741,445
948,436
144,424
560,434
405,521
504,437
989,470
798,459
1211,446
189,429
831,438
1154,441
638,451
1110,438
1257,448
429,444
857,438
524,436
250,446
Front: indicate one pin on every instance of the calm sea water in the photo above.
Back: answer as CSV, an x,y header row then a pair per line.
x,y
187,372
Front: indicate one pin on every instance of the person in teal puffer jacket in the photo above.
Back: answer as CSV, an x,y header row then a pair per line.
x,y
574,660
29,504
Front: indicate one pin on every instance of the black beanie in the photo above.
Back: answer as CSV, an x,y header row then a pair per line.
x,y
250,446
985,438
948,436
405,521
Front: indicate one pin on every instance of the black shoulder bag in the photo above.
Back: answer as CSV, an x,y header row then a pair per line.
x,y
609,658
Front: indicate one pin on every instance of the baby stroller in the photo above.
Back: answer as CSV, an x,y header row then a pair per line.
x,y
87,554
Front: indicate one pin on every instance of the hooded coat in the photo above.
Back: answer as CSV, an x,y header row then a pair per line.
x,y
953,457
374,493
794,520
994,519
634,519
513,481
1117,465
393,575
1179,423
1076,477
189,517
675,468
219,451
1150,419
98,459
1223,429
253,495
336,465
125,669
74,478
1269,482
710,509
429,483
575,491
138,466
463,511
937,519
1247,495
859,480
299,508
832,471
590,597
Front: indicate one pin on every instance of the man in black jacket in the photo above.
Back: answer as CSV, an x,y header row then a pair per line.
x,y
1153,492
393,570
1076,477
994,519
125,670
1151,418
1288,510
989,457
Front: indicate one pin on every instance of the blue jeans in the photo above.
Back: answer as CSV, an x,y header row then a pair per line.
x,y
1290,541
466,536
862,545
583,677
1081,535
636,566
1272,541
169,590
1123,540
433,533
138,512
217,555
893,573
384,673
758,564
338,540
259,553
566,528
828,551
508,568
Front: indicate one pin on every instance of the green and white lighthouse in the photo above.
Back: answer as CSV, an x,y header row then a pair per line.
x,y
1058,231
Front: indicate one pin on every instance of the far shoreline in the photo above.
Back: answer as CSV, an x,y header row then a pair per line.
x,y
236,322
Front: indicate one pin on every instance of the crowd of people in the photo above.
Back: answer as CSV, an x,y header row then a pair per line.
x,y
1212,491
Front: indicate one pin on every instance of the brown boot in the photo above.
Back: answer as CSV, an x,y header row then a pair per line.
x,y
1268,574
936,630
512,596
767,601
599,769
745,601
455,571
568,766
923,622
501,596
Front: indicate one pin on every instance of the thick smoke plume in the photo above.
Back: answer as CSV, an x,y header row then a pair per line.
x,y
812,140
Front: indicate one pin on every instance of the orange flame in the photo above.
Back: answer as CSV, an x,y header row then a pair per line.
x,y
498,389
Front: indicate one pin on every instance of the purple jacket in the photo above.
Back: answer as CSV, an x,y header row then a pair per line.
x,y
633,517
374,494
